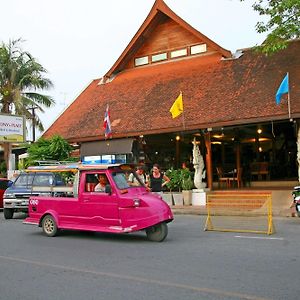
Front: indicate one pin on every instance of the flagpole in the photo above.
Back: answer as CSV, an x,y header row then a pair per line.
x,y
183,121
289,103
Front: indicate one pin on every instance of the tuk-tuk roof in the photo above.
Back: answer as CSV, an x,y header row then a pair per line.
x,y
74,167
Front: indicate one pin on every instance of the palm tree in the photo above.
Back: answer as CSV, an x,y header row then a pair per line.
x,y
21,79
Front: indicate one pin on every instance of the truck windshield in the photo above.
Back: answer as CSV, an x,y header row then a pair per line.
x,y
24,180
120,180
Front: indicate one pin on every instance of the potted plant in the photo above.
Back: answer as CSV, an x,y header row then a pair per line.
x,y
187,185
175,185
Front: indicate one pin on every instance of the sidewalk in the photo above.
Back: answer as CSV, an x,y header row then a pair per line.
x,y
281,202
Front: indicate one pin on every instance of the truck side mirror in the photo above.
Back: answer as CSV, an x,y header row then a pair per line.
x,y
9,183
108,189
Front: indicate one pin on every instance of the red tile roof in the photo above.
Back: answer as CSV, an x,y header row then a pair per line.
x,y
215,93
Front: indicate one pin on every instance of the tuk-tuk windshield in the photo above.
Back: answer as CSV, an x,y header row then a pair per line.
x,y
124,180
120,180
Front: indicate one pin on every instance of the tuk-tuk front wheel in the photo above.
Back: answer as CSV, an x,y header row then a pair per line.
x,y
49,226
158,232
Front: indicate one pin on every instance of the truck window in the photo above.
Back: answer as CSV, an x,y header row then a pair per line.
x,y
24,180
102,182
91,182
43,180
58,179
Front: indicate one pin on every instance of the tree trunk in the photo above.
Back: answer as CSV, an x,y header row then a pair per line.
x,y
6,151
6,146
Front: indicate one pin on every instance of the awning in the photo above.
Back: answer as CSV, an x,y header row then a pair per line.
x,y
118,146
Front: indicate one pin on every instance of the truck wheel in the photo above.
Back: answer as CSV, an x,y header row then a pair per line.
x,y
8,213
157,233
49,226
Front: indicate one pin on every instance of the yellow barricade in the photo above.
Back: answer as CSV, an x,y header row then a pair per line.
x,y
236,211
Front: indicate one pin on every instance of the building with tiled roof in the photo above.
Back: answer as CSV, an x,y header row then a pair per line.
x,y
226,98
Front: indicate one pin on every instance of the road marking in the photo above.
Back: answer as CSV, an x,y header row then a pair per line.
x,y
136,279
258,237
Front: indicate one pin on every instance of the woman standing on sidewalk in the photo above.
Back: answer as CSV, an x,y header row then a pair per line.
x,y
157,180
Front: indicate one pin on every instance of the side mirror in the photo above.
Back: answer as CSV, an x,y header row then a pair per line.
x,y
108,189
9,183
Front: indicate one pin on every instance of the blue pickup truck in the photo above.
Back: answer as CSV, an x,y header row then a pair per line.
x,y
16,197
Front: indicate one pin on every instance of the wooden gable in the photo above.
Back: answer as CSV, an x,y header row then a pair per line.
x,y
163,32
167,36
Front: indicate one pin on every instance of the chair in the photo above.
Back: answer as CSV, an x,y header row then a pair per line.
x,y
222,178
237,177
259,169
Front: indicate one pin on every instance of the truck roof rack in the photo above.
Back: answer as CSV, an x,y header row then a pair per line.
x,y
48,162
74,167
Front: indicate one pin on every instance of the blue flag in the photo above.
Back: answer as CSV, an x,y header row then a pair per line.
x,y
283,88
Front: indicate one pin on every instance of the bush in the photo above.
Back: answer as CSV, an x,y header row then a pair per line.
x,y
187,182
175,179
180,179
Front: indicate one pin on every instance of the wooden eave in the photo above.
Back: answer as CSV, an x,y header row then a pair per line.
x,y
158,12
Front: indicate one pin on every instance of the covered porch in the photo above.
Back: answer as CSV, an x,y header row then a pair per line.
x,y
260,155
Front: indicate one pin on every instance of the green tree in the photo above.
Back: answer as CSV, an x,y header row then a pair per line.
x,y
283,23
21,79
56,148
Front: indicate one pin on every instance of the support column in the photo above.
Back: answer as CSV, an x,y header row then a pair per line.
x,y
208,160
177,157
238,155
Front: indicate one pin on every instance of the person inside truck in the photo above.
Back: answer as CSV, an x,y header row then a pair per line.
x,y
100,187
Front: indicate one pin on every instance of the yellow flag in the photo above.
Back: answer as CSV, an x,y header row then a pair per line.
x,y
177,107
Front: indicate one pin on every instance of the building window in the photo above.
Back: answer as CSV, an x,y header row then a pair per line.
x,y
198,49
141,61
178,53
159,57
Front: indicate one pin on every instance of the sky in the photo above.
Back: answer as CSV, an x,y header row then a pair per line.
x,y
79,40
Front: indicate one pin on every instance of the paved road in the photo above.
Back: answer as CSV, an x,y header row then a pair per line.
x,y
190,264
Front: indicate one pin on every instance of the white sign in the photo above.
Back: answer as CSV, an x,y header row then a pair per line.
x,y
12,128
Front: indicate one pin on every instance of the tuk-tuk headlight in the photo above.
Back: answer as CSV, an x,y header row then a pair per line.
x,y
136,202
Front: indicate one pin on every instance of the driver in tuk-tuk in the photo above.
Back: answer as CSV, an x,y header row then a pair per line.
x,y
100,187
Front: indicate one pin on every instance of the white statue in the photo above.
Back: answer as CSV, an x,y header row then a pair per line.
x,y
198,166
298,153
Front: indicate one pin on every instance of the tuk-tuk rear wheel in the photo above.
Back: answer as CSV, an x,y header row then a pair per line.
x,y
49,226
158,232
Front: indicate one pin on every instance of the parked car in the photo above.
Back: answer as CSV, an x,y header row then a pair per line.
x,y
16,196
4,184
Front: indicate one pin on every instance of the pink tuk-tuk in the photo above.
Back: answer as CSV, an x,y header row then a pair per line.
x,y
117,208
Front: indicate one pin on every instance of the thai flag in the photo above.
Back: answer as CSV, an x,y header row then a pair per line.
x,y
106,124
